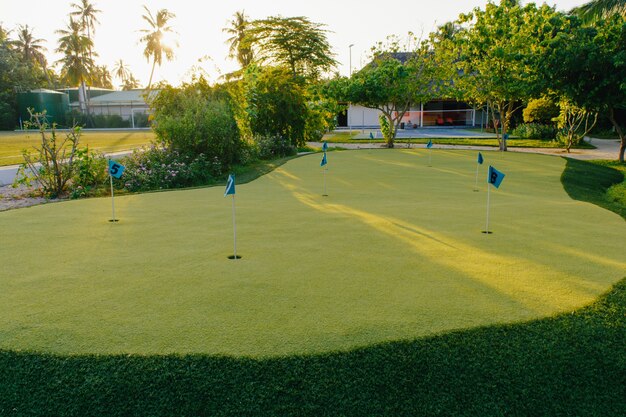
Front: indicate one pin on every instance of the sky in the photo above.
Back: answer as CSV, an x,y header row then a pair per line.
x,y
201,42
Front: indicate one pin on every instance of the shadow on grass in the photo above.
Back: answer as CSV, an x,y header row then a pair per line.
x,y
572,364
589,181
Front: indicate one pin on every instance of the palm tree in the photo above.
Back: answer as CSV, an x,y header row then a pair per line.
x,y
240,46
31,49
77,66
86,14
121,71
131,83
153,38
599,9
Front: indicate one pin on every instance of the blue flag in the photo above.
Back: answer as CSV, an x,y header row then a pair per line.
x,y
371,135
480,158
429,144
324,160
495,177
116,170
230,185
325,146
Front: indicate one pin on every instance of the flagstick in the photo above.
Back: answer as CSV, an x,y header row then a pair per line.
x,y
430,152
113,220
487,232
325,194
234,230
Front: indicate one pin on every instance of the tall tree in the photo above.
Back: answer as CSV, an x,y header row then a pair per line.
x,y
239,41
76,64
31,49
295,42
391,84
600,9
495,56
587,65
153,38
121,71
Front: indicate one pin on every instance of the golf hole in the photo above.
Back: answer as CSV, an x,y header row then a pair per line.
x,y
486,232
114,220
234,257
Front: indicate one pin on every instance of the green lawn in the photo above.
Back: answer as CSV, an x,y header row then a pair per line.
x,y
371,301
12,143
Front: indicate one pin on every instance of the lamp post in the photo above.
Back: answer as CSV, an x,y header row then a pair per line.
x,y
350,48
349,118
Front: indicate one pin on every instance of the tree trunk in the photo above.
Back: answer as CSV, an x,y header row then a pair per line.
x,y
620,133
151,74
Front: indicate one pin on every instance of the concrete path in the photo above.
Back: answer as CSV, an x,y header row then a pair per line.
x,y
605,148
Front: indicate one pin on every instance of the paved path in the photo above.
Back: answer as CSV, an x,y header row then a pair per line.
x,y
605,148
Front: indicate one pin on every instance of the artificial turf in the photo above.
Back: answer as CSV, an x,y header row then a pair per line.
x,y
395,252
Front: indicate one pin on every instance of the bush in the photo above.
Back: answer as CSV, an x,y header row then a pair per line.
x,y
90,173
270,147
112,121
156,168
542,110
535,131
195,120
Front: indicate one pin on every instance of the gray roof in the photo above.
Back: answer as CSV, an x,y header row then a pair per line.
x,y
121,97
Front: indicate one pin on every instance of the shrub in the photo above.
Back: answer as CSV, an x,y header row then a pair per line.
x,y
542,110
535,131
90,173
195,120
156,168
270,147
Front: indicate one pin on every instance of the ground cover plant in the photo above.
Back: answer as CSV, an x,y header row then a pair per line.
x,y
12,143
336,328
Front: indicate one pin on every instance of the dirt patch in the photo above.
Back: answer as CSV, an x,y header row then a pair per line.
x,y
21,196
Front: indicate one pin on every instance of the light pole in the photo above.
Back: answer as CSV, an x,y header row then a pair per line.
x,y
349,118
350,48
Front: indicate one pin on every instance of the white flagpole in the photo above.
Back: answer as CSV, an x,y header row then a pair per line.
x,y
112,199
234,229
487,225
430,151
325,194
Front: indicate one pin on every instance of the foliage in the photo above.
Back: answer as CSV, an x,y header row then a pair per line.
x,y
587,65
541,110
197,119
294,42
391,83
52,166
272,147
595,10
15,75
156,168
535,131
153,38
575,123
90,173
275,104
239,42
495,52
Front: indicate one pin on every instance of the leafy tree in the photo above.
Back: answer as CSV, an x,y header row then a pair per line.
x,y
153,38
16,74
391,83
496,54
239,41
587,65
275,104
540,110
296,42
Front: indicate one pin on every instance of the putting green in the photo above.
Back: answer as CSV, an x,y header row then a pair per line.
x,y
394,252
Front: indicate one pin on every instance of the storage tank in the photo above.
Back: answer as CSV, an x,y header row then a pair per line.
x,y
55,103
